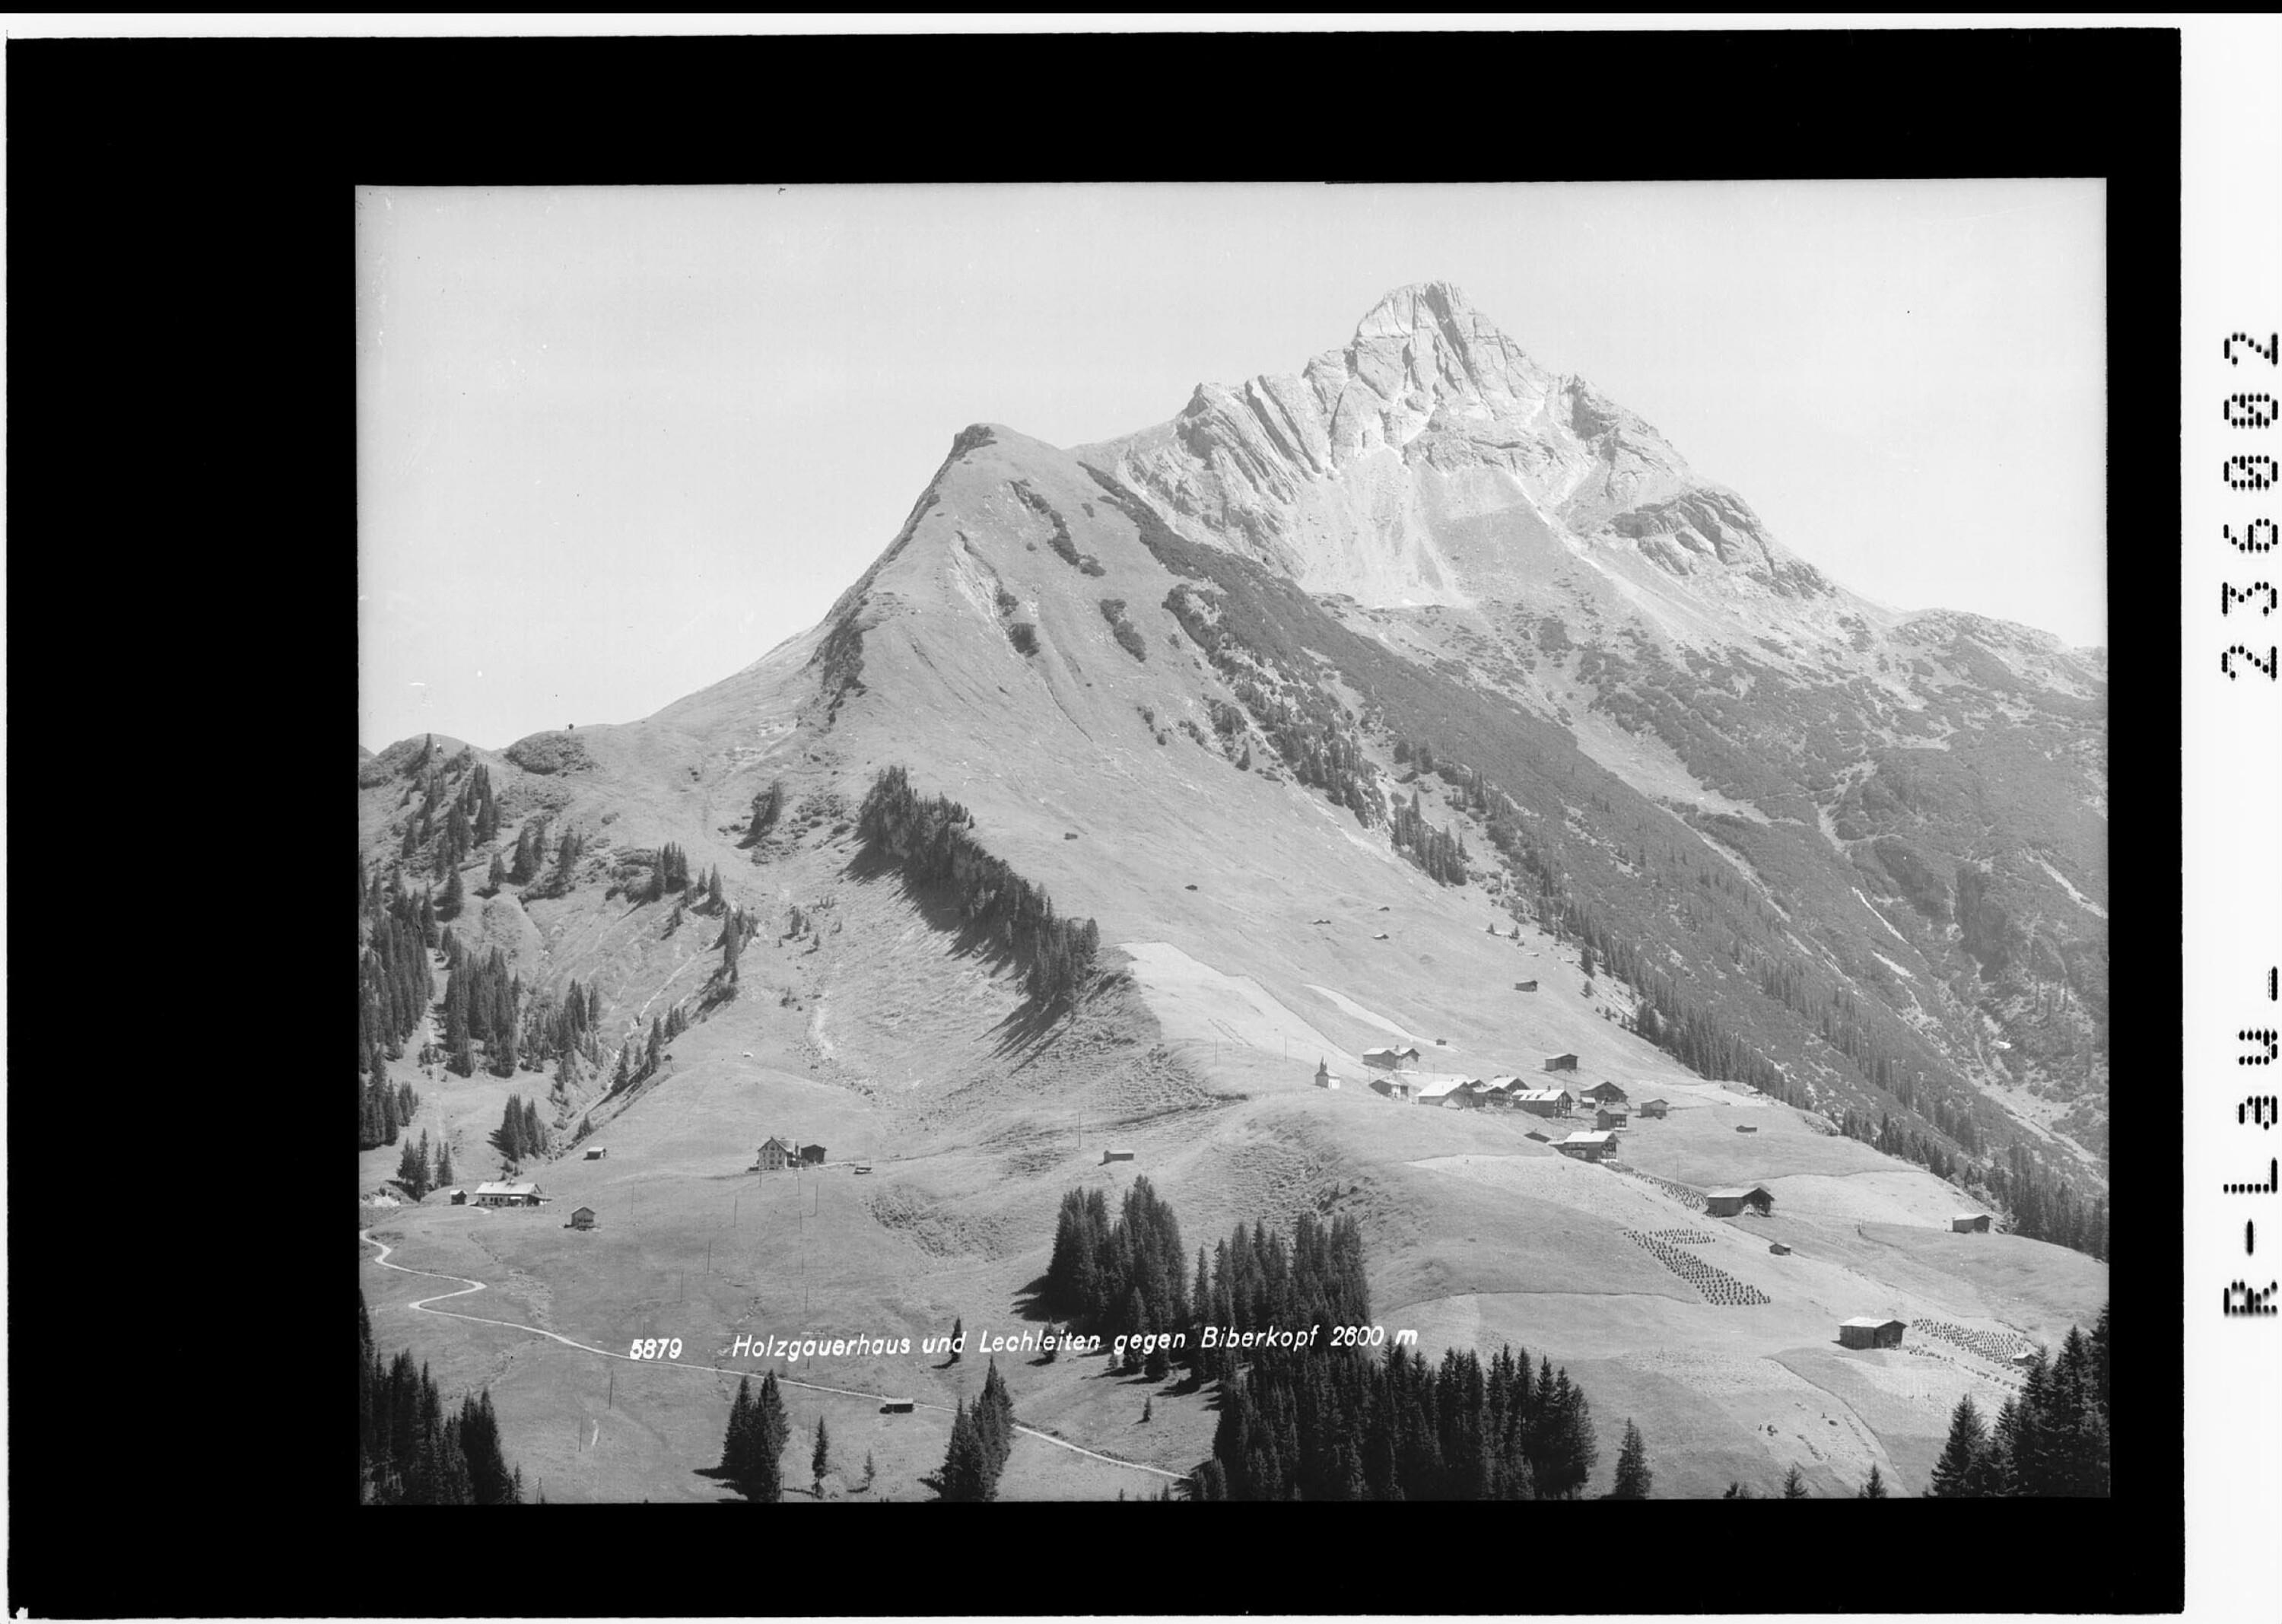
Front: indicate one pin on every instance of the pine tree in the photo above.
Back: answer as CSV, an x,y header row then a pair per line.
x,y
1634,1478
820,1461
445,1174
1959,1473
965,1476
1875,1487
737,1443
408,1169
957,1330
453,899
771,1432
1795,1485
495,879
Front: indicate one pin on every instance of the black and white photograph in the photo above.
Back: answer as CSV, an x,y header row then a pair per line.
x,y
1233,842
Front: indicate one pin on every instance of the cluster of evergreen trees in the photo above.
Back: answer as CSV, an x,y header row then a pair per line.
x,y
520,1132
1440,853
482,1004
928,837
980,1439
752,1452
409,1452
417,1174
1337,1424
2051,1440
394,983
1121,1278
1258,1281
383,1108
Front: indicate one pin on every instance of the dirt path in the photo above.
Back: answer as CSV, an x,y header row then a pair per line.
x,y
468,1287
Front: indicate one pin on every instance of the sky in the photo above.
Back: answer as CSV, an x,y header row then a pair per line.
x,y
614,444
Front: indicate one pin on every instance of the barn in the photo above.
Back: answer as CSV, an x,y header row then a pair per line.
x,y
778,1154
1612,1119
812,1154
1560,1062
1731,1203
1656,1107
1108,1156
1525,986
1969,1223
1604,1094
582,1217
1391,1087
897,1407
1866,1333
597,1154
1388,1060
459,1198
1781,1248
506,1196
1453,1093
1543,1101
1593,1147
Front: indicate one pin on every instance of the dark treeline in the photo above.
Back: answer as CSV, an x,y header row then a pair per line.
x,y
2050,1441
1339,1426
980,1439
928,837
1316,1421
409,1452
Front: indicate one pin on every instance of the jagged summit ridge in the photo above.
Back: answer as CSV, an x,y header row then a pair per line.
x,y
1380,470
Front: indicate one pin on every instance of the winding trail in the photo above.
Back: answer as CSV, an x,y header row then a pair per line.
x,y
469,1287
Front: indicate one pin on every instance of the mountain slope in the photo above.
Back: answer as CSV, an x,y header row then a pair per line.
x,y
1730,820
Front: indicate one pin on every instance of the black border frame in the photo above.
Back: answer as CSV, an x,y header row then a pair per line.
x,y
179,224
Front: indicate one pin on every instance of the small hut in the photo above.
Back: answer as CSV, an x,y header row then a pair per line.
x,y
1612,1118
1656,1107
1867,1333
1969,1223
1781,1248
582,1217
812,1154
1108,1156
597,1154
1525,986
1560,1062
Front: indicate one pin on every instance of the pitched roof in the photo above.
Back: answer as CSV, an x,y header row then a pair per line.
x,y
1865,1321
501,1189
1586,1139
785,1144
